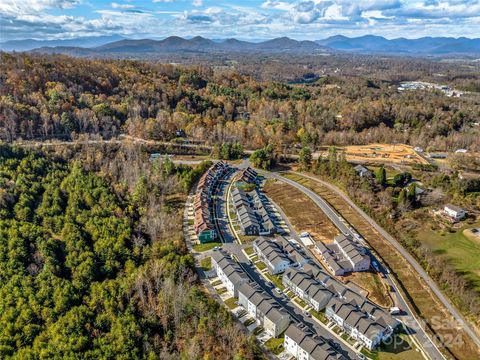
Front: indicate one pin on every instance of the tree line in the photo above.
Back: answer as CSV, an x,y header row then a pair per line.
x,y
52,96
93,263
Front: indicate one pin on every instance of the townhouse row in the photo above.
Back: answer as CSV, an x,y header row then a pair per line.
x,y
303,344
203,207
355,315
343,256
252,215
299,341
279,254
259,305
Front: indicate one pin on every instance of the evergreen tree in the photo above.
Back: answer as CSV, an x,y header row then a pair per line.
x,y
381,176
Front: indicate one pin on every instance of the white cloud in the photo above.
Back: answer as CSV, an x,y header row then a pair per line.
x,y
122,6
301,19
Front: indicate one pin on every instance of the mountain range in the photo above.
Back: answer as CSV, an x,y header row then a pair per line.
x,y
369,44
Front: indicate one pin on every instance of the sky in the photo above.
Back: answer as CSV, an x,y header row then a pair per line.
x,y
245,19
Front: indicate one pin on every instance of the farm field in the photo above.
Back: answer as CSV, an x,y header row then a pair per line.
x,y
426,304
381,153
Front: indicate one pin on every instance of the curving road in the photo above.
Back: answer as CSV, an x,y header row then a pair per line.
x,y
424,275
419,334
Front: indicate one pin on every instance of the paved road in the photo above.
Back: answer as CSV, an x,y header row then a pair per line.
x,y
235,249
416,328
423,274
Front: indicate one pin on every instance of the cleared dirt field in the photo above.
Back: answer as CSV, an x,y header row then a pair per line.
x,y
381,153
424,302
301,211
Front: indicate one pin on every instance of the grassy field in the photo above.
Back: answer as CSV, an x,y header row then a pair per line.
x,y
377,290
425,303
301,211
206,246
462,251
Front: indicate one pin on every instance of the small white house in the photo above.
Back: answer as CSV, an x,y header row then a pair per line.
x,y
454,212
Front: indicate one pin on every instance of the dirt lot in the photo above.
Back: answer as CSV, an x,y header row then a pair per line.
x,y
383,153
426,304
301,211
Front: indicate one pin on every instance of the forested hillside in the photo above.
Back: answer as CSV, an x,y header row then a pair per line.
x,y
57,96
92,262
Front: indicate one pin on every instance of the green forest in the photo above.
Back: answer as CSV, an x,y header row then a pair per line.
x,y
93,266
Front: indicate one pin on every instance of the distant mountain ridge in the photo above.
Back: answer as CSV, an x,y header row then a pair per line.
x,y
84,42
369,44
420,46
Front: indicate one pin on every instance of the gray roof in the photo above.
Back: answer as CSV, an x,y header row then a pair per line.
x,y
271,250
454,208
315,346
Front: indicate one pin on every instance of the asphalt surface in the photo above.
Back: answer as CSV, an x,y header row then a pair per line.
x,y
430,282
408,319
231,246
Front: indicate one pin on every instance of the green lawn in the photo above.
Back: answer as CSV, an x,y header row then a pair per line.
x,y
275,345
221,290
300,302
461,251
217,282
260,265
398,348
319,315
206,246
231,303
206,263
249,250
249,322
276,280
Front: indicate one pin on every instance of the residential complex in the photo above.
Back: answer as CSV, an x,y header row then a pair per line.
x,y
301,343
370,328
307,288
229,272
263,308
357,316
252,216
343,256
204,228
279,255
249,175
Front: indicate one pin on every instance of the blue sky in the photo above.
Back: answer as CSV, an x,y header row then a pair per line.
x,y
246,19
